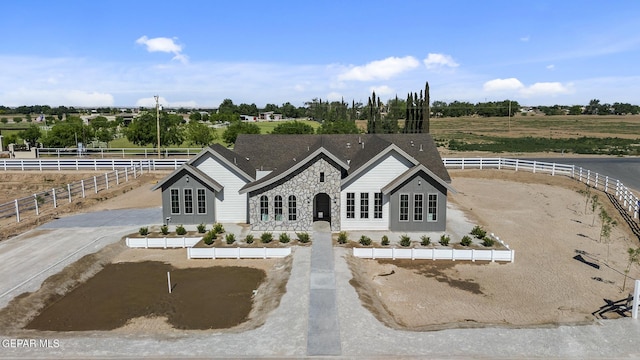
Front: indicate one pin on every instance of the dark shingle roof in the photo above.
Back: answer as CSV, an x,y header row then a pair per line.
x,y
276,152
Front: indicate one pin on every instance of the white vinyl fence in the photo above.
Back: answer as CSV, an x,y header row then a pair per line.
x,y
52,198
237,253
435,254
164,242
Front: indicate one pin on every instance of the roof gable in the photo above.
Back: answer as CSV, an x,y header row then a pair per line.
x,y
192,171
409,174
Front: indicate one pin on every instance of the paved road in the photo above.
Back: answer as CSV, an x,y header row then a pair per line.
x,y
626,170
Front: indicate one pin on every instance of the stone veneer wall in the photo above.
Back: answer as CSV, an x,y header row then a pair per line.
x,y
304,184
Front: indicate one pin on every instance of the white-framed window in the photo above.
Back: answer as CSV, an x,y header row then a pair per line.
x,y
432,208
277,207
188,201
202,201
175,201
418,207
293,210
364,205
377,205
351,205
264,208
404,207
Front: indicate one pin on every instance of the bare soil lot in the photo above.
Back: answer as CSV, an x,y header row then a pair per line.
x,y
543,219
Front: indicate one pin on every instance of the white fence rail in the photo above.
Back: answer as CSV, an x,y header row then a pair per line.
x,y
117,152
165,242
237,253
435,254
52,198
88,164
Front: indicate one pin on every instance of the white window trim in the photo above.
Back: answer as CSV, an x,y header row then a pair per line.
x,y
421,208
198,201
437,200
400,207
171,200
184,201
368,206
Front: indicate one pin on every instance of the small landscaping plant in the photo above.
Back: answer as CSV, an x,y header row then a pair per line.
x,y
365,240
144,231
303,237
209,238
219,229
385,240
231,238
342,237
249,239
444,240
466,241
425,240
202,228
405,240
266,237
164,229
478,232
180,230
487,241
284,238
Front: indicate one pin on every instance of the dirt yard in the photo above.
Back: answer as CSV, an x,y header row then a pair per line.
x,y
543,219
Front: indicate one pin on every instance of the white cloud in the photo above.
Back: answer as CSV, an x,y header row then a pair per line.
x,y
163,44
496,85
439,61
334,96
382,90
514,86
380,69
525,38
551,67
547,89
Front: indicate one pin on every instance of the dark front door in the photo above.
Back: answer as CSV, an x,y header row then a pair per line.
x,y
322,207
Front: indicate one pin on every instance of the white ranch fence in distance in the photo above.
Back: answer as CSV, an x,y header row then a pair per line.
x,y
52,198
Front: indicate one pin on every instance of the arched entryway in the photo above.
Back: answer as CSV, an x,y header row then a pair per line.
x,y
322,207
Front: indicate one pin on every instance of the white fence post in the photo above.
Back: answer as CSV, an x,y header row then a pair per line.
x,y
55,202
595,184
17,210
117,179
95,184
106,180
636,300
82,185
35,202
69,191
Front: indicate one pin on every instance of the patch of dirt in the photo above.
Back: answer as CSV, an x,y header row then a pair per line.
x,y
545,220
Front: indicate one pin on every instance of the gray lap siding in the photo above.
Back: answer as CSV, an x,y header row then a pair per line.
x,y
182,217
423,184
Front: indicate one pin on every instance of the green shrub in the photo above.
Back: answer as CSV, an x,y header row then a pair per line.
x,y
478,232
365,240
385,240
303,237
405,240
266,237
209,237
284,238
249,239
202,228
425,240
218,228
144,231
487,241
231,238
164,229
444,240
342,237
466,241
180,230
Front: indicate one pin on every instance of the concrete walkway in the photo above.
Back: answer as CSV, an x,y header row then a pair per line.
x,y
323,336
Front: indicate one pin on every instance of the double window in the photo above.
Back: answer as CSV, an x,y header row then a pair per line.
x,y
187,204
432,208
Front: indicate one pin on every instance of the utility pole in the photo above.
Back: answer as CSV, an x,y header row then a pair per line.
x,y
158,122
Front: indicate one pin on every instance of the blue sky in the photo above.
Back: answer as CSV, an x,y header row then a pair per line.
x,y
197,53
